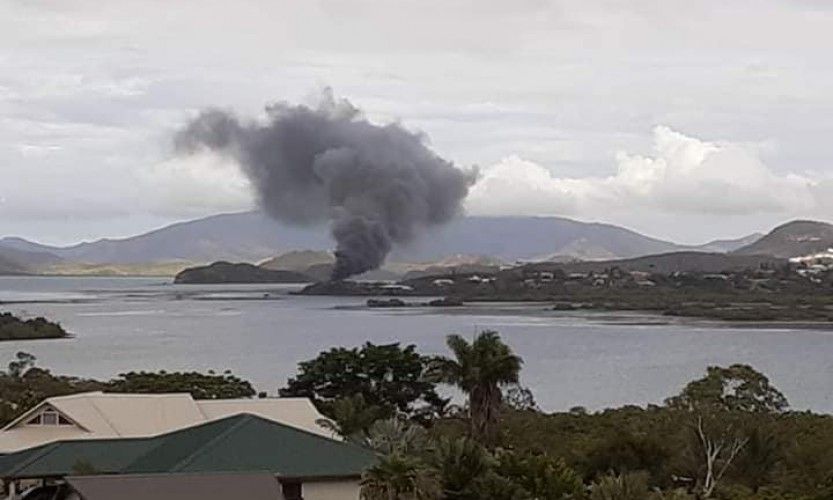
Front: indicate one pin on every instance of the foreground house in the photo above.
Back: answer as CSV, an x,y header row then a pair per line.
x,y
258,486
98,415
304,464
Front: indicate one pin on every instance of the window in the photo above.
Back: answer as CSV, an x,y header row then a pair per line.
x,y
49,417
292,491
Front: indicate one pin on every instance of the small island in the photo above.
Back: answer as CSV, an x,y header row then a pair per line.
x,y
231,273
14,328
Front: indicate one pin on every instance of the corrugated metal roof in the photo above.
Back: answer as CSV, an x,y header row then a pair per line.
x,y
106,456
178,487
241,443
99,415
252,443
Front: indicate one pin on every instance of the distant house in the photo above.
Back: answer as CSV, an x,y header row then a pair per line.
x,y
98,415
396,287
305,464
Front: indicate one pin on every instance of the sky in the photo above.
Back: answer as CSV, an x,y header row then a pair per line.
x,y
682,120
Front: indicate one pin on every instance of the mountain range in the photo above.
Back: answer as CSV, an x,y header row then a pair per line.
x,y
253,237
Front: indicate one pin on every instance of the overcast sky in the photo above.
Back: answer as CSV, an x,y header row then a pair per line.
x,y
682,120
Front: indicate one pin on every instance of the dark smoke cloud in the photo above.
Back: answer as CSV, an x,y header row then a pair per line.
x,y
378,185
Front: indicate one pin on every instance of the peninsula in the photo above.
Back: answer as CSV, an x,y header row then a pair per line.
x,y
14,328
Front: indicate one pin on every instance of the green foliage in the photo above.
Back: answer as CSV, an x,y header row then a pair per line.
x,y
540,476
460,462
630,486
756,465
400,477
720,409
738,388
391,436
493,486
461,468
199,385
13,328
653,453
389,377
22,362
520,398
622,452
24,385
480,369
798,464
351,417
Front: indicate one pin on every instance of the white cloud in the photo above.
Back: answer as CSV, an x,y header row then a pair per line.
x,y
681,175
196,185
90,92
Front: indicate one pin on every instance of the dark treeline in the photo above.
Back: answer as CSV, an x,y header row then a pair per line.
x,y
23,385
727,435
14,328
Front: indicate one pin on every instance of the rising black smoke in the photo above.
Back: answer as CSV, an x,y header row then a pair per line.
x,y
378,185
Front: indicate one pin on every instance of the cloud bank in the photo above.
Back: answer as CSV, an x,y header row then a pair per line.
x,y
682,175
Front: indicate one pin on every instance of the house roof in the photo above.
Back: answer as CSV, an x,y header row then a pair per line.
x,y
105,456
178,487
100,415
241,443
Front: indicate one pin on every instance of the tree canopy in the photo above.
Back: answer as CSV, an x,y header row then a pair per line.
x,y
388,376
14,328
23,385
736,388
199,385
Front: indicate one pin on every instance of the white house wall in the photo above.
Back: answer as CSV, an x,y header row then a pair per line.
x,y
331,490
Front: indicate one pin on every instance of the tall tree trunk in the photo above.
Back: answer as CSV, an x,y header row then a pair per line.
x,y
484,408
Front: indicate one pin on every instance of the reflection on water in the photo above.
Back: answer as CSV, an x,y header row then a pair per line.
x,y
261,332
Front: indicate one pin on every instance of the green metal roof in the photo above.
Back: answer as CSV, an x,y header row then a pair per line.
x,y
240,443
104,456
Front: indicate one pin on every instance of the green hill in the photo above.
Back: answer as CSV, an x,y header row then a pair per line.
x,y
793,239
226,272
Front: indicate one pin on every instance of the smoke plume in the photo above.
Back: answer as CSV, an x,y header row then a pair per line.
x,y
377,185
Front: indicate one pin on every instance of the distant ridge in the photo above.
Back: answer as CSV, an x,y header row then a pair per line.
x,y
299,260
20,261
793,239
729,245
252,237
246,237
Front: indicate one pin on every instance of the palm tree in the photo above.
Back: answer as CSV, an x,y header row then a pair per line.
x,y
387,437
402,471
461,463
351,418
400,477
480,369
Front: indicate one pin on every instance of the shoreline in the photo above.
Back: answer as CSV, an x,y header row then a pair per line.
x,y
612,317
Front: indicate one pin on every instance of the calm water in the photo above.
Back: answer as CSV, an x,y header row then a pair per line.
x,y
260,333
